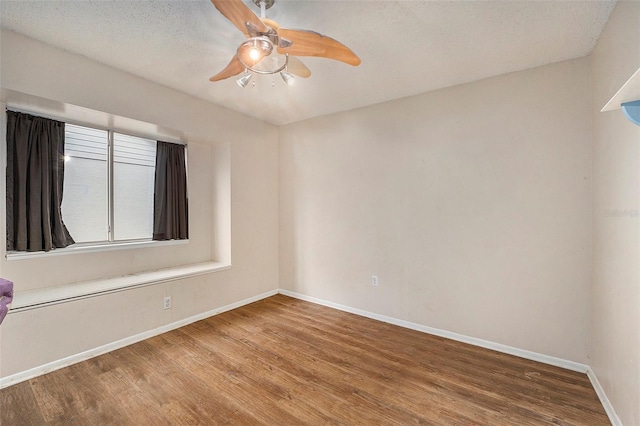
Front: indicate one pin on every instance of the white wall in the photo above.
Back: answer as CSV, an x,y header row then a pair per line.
x,y
472,204
616,249
225,148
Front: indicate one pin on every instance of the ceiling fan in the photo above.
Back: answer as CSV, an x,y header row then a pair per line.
x,y
271,49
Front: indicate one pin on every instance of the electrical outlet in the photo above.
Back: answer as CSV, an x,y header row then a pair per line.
x,y
167,302
374,280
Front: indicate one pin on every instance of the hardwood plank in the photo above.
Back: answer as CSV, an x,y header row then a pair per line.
x,y
74,394
285,361
278,364
14,403
484,399
353,367
485,366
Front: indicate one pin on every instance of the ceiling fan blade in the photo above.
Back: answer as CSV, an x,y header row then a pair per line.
x,y
296,67
239,15
234,68
310,43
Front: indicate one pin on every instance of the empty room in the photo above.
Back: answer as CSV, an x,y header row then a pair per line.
x,y
320,212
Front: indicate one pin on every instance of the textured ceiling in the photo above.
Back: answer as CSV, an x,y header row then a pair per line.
x,y
406,47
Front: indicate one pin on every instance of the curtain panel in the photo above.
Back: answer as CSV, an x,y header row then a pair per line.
x,y
35,180
171,211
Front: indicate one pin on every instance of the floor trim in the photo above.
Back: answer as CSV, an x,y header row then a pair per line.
x,y
83,356
608,407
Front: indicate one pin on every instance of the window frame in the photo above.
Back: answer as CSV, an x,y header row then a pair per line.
x,y
110,244
80,248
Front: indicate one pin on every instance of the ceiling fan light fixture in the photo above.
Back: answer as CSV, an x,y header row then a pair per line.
x,y
253,50
254,53
257,55
287,77
244,80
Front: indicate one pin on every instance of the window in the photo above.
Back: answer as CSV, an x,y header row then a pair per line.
x,y
108,185
71,184
134,162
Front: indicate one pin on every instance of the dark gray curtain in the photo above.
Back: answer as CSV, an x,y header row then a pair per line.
x,y
35,179
171,210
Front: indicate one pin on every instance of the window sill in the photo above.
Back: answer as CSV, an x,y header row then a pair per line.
x,y
92,248
32,299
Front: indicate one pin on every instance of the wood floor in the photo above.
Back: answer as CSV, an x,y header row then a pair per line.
x,y
282,361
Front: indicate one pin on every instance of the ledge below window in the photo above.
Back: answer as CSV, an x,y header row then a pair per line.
x,y
32,299
92,248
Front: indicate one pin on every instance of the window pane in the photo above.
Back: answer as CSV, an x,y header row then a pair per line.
x,y
133,182
84,202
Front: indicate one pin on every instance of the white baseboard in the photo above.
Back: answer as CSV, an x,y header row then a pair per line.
x,y
73,359
534,356
613,417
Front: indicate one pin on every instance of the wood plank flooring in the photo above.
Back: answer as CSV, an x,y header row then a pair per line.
x,y
282,361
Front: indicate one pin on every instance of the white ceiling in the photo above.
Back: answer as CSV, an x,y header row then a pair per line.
x,y
406,47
